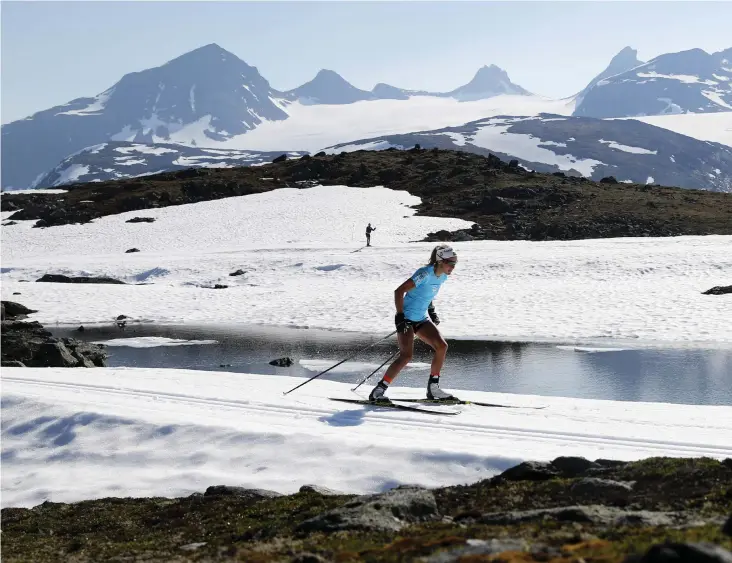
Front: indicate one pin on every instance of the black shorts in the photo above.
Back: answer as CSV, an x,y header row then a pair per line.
x,y
419,324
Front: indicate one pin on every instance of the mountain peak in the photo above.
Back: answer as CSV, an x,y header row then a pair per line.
x,y
660,86
626,58
489,81
326,73
207,54
329,87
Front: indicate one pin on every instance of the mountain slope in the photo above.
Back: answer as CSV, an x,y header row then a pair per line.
x,y
690,81
625,60
629,150
505,201
207,95
119,159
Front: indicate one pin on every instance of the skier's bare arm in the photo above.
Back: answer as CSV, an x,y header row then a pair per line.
x,y
399,294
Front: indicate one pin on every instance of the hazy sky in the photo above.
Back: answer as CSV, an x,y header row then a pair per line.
x,y
53,52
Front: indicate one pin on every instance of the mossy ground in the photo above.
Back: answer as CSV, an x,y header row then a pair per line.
x,y
236,529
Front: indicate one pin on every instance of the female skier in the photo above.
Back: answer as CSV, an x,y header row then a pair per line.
x,y
413,301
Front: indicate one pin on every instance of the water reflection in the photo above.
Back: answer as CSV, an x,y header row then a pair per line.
x,y
689,376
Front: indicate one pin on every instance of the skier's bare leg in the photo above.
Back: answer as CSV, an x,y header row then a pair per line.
x,y
429,334
406,351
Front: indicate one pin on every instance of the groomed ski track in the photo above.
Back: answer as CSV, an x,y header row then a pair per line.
x,y
241,429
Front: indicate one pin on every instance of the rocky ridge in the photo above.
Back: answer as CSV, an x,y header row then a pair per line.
x,y
505,201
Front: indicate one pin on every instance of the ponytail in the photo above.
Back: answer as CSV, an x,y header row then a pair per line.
x,y
433,257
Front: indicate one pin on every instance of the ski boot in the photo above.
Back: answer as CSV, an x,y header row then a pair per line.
x,y
434,393
377,394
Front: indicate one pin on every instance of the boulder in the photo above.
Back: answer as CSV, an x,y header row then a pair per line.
x,y
318,489
141,220
282,362
390,511
718,290
673,552
15,311
530,471
240,492
481,550
33,346
594,514
573,466
60,278
607,490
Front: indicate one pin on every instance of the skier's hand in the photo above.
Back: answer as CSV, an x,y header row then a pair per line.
x,y
433,316
402,324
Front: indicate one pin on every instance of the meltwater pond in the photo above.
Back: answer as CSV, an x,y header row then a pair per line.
x,y
611,372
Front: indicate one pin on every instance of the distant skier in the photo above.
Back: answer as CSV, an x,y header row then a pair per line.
x,y
413,300
369,228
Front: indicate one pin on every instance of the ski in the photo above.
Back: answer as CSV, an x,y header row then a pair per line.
x,y
461,402
392,406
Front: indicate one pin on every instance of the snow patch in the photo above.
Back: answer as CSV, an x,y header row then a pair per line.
x,y
94,108
495,137
626,148
686,78
716,97
71,174
152,342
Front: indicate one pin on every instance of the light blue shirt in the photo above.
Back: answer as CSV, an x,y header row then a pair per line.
x,y
427,284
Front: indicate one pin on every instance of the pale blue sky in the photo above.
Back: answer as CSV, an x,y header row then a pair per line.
x,y
53,52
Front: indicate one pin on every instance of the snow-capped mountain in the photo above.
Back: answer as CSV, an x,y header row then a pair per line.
x,y
328,87
120,159
626,59
208,91
629,150
690,81
211,98
207,97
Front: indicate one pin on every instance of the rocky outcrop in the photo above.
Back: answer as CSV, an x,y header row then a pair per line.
x,y
390,511
15,311
240,492
505,202
28,344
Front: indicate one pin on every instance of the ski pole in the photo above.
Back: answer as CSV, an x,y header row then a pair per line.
x,y
339,363
365,379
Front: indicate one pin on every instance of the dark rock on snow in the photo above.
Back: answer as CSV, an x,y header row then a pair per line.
x,y
718,290
282,362
28,344
60,278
